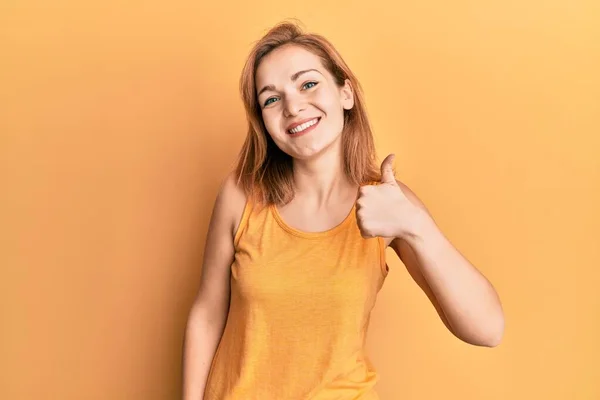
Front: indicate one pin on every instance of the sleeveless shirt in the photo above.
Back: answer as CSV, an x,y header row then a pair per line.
x,y
299,312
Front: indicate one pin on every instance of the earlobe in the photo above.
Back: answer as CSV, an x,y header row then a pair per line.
x,y
348,95
349,103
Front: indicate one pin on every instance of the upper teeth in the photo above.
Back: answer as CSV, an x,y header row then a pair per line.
x,y
305,125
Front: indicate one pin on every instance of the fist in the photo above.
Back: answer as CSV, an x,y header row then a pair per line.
x,y
383,209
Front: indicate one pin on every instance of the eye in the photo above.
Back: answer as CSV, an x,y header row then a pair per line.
x,y
267,101
308,83
312,83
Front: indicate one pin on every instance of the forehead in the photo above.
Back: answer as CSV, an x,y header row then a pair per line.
x,y
284,61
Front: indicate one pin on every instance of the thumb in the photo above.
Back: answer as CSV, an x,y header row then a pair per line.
x,y
387,172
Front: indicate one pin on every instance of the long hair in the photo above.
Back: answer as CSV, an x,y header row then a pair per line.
x,y
265,171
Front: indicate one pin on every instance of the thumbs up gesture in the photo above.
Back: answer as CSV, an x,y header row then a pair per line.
x,y
384,210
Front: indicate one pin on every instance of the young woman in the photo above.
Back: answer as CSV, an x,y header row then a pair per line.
x,y
295,252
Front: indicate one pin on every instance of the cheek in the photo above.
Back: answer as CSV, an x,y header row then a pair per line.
x,y
329,103
271,122
334,111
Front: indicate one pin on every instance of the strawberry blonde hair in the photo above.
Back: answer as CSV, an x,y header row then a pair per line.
x,y
265,171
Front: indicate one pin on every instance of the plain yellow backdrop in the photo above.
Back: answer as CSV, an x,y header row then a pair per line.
x,y
118,121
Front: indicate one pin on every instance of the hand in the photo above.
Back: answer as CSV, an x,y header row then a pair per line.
x,y
384,210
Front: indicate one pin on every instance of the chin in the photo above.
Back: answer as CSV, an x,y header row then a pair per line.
x,y
309,147
306,155
310,152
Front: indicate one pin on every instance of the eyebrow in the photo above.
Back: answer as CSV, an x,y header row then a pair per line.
x,y
294,77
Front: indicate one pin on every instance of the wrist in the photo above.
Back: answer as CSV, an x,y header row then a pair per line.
x,y
420,226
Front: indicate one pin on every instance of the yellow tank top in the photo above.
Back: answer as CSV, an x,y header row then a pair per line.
x,y
299,312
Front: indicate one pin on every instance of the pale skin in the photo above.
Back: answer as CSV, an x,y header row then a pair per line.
x,y
464,299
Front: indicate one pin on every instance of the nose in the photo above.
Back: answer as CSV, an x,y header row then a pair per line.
x,y
293,105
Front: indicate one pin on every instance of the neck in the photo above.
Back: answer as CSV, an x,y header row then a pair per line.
x,y
321,180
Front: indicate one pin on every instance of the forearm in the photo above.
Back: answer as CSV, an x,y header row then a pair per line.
x,y
468,300
201,340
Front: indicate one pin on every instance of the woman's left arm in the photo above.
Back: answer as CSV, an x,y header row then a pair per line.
x,y
467,298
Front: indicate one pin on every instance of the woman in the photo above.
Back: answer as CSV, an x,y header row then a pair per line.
x,y
295,253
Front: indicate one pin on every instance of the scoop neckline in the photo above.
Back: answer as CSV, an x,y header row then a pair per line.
x,y
308,235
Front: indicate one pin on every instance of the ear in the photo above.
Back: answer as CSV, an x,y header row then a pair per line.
x,y
347,95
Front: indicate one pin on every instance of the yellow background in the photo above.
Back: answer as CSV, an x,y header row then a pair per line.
x,y
118,121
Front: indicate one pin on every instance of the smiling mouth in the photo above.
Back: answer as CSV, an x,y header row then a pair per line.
x,y
307,126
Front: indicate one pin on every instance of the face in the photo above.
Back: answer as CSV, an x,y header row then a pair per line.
x,y
302,106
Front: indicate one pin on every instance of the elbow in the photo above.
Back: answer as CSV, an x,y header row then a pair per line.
x,y
492,328
498,334
494,333
493,341
489,334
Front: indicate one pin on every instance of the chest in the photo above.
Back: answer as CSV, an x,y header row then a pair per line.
x,y
341,273
308,219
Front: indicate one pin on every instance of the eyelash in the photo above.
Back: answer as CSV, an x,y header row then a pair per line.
x,y
271,98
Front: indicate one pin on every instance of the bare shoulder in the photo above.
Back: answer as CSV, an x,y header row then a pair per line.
x,y
412,196
231,201
219,249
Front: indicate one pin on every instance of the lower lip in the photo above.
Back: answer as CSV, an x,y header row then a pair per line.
x,y
310,128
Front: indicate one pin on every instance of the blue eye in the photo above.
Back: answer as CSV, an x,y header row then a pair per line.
x,y
267,102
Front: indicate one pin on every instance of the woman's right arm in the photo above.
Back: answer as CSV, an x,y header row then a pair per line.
x,y
208,315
